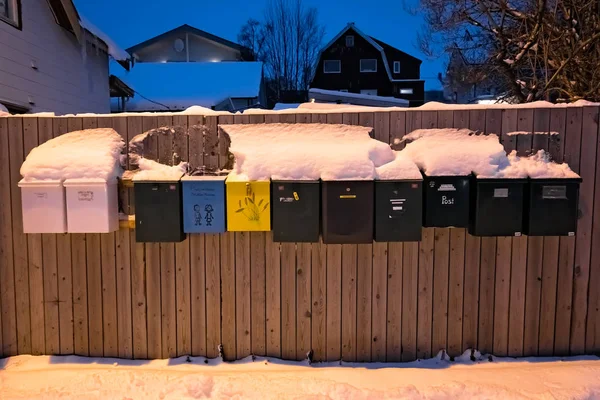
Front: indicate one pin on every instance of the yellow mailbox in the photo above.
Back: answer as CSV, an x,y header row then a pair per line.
x,y
248,206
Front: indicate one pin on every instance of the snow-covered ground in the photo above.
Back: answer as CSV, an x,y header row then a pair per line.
x,y
43,377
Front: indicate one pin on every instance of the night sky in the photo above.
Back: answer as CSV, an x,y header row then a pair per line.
x,y
129,22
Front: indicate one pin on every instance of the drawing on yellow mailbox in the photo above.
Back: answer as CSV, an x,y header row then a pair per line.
x,y
250,209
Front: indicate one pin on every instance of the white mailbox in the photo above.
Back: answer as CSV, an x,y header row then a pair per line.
x,y
92,205
43,205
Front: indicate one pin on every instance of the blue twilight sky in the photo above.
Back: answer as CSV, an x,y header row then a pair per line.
x,y
129,22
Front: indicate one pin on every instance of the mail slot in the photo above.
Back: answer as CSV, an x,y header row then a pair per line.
x,y
158,211
296,211
398,210
248,205
43,206
497,207
203,204
92,205
347,211
446,201
552,207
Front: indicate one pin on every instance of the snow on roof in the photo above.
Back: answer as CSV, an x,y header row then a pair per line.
x,y
452,152
321,108
435,106
536,166
285,106
180,85
308,152
90,153
314,92
114,50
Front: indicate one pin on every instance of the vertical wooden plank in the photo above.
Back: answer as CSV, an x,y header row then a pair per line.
x,y
94,279
397,129
288,301
79,273
394,309
502,295
425,299
317,118
413,120
364,286
124,316
34,247
50,268
138,271
445,119
592,335
455,291
471,291
303,299
462,119
429,119
334,301
410,293
441,258
547,306
318,298
477,120
153,261
583,245
509,124
349,301
486,295
273,293
258,292
7,273
242,296
525,124
517,297
182,255
381,125
379,303
567,252
197,260
228,291
213,295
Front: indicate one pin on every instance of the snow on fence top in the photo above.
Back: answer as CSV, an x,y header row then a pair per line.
x,y
452,152
309,152
440,152
90,154
536,166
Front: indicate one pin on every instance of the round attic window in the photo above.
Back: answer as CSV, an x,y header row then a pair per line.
x,y
178,45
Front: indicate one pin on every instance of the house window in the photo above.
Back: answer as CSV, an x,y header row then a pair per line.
x,y
406,91
370,92
332,66
368,65
396,67
10,12
349,41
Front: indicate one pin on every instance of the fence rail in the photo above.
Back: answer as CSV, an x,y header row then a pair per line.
x,y
106,295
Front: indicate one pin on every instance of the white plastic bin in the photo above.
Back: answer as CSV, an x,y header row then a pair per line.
x,y
43,205
92,205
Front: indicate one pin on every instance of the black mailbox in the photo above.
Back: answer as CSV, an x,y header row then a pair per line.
x,y
295,207
497,207
446,201
347,211
158,211
398,210
552,207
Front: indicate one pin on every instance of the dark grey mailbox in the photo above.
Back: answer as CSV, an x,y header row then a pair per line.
x,y
398,210
446,201
497,207
347,211
552,207
295,207
158,211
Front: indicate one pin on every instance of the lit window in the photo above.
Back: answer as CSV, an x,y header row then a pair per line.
x,y
349,41
396,67
406,91
368,65
9,12
332,66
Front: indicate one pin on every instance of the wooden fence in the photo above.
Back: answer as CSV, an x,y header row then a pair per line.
x,y
106,295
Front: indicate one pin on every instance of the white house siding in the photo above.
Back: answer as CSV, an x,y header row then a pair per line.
x,y
68,80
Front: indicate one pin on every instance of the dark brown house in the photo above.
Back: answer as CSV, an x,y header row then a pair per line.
x,y
358,63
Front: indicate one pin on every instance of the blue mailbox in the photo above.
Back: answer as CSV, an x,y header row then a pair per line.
x,y
203,204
